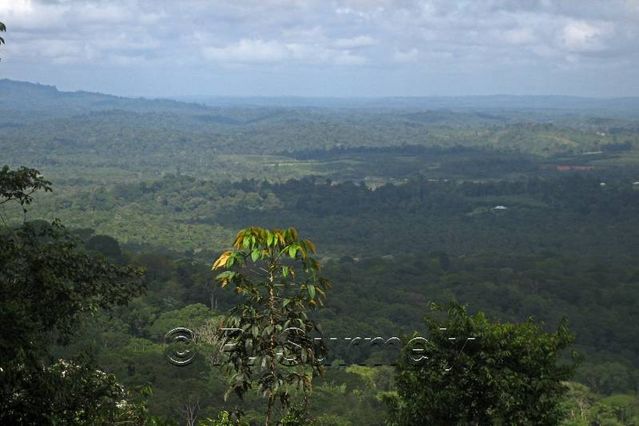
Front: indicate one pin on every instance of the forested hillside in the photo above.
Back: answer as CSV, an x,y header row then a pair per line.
x,y
514,211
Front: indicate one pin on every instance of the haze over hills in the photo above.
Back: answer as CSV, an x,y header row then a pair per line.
x,y
27,96
497,102
284,137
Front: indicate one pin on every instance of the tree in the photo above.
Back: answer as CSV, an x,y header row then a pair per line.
x,y
509,374
272,347
19,185
47,284
106,245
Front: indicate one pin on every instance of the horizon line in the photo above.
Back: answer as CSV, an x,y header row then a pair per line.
x,y
176,97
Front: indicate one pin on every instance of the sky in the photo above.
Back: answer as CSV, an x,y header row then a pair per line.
x,y
325,48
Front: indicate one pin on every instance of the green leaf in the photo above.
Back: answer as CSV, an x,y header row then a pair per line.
x,y
225,277
246,242
292,251
255,254
311,290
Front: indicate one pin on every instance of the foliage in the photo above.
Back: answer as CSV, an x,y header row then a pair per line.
x,y
67,393
224,418
275,271
94,138
585,408
401,199
569,214
297,415
508,373
47,284
19,185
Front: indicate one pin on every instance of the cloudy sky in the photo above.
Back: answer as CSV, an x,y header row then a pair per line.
x,y
325,47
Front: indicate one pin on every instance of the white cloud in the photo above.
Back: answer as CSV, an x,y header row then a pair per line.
x,y
15,7
256,51
583,36
373,36
519,36
348,58
248,51
354,42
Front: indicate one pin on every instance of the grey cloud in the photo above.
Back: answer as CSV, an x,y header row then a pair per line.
x,y
418,39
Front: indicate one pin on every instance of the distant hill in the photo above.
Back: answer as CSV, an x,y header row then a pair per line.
x,y
42,125
29,97
25,96
501,103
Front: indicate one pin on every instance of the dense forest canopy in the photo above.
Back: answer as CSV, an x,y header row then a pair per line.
x,y
515,207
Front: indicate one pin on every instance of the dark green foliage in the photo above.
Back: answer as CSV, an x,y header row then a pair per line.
x,y
19,185
509,374
66,393
564,247
47,284
297,415
106,245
